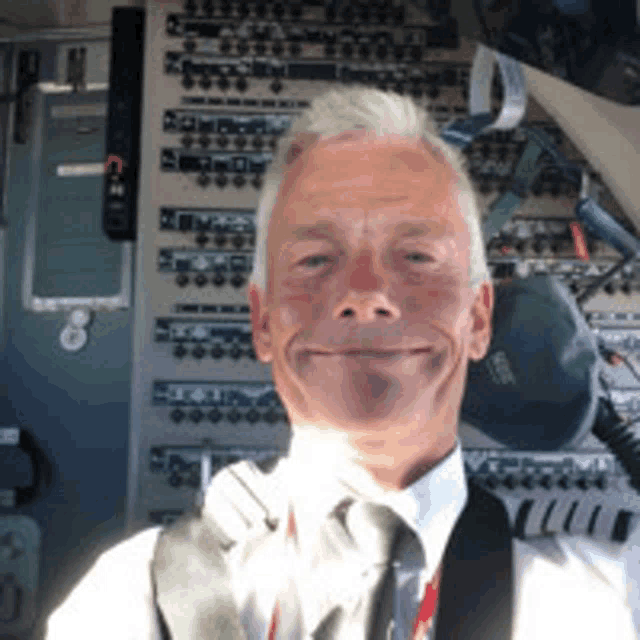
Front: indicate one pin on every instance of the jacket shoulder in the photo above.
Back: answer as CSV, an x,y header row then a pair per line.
x,y
119,582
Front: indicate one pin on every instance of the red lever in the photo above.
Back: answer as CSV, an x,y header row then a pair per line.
x,y
579,241
112,159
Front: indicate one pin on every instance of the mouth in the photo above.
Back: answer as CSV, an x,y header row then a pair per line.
x,y
371,353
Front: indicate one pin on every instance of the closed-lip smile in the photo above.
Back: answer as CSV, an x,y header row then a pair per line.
x,y
371,352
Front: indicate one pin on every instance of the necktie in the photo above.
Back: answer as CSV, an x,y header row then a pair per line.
x,y
392,610
395,610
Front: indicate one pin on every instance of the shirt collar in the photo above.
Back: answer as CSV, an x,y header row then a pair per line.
x,y
318,481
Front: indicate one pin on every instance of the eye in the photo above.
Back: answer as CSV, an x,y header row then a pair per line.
x,y
315,261
418,256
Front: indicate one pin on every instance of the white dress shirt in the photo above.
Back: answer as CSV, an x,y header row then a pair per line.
x,y
430,506
565,586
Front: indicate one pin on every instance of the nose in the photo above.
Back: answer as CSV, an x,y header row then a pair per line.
x,y
366,299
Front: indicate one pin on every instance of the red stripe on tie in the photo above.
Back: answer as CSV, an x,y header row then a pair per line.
x,y
275,616
424,619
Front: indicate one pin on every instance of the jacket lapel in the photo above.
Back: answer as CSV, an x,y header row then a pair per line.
x,y
191,577
476,591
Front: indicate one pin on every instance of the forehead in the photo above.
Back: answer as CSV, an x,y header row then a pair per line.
x,y
392,176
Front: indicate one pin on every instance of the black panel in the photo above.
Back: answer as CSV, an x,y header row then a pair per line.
x,y
123,126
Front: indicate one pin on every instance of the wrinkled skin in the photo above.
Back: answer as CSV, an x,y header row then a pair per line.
x,y
370,277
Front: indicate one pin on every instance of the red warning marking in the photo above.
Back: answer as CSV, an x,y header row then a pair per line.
x,y
115,159
579,242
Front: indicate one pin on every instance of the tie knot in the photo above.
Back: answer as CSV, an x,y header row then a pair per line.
x,y
382,535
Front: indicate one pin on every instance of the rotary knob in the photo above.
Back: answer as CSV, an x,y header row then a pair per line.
x,y
238,241
215,415
202,239
217,352
175,481
180,351
546,482
528,482
196,415
203,180
73,338
198,352
80,317
584,483
177,415
237,281
564,482
221,180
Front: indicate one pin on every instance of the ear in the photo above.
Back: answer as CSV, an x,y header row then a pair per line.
x,y
260,325
301,142
481,313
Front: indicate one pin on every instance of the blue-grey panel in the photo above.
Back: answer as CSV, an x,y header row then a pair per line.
x,y
76,405
73,256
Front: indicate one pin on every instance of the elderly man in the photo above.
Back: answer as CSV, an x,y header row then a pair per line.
x,y
370,295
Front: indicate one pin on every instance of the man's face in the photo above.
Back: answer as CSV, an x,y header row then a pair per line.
x,y
369,320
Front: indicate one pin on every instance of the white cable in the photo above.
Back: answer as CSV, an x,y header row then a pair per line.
x,y
515,88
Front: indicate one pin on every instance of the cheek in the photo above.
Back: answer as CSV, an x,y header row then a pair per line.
x,y
437,301
298,314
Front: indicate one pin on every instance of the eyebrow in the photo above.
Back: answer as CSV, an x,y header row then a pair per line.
x,y
404,230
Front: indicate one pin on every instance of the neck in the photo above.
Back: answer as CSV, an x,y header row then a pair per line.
x,y
404,472
398,466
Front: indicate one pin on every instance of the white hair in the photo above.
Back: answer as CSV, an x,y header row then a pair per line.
x,y
345,109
